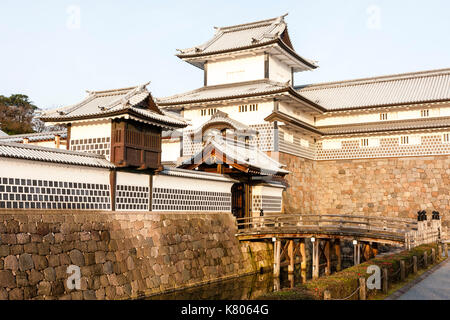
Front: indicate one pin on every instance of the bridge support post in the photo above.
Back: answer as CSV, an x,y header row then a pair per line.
x,y
303,263
315,258
276,257
291,256
402,270
385,280
362,289
356,252
425,259
327,257
337,250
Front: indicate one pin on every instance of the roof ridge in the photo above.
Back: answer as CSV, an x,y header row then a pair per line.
x,y
382,78
118,89
54,150
254,23
33,134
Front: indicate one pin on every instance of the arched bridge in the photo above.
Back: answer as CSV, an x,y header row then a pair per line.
x,y
289,231
385,230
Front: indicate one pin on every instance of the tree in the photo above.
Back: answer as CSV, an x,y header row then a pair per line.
x,y
19,115
16,114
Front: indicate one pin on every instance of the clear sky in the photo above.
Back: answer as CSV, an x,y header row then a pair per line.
x,y
55,50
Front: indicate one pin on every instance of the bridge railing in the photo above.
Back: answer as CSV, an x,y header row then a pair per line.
x,y
326,222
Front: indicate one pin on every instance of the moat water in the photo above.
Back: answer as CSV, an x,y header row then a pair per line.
x,y
243,288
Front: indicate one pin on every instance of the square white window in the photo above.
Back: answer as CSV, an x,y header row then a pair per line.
x,y
288,137
383,116
446,138
304,143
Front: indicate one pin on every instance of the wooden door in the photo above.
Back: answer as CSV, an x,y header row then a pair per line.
x,y
238,200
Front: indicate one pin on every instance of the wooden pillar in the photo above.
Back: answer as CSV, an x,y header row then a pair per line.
x,y
291,256
337,250
425,259
112,188
57,141
276,284
303,263
327,257
414,264
362,289
356,253
150,193
315,259
385,280
445,250
291,280
433,256
276,258
402,270
69,135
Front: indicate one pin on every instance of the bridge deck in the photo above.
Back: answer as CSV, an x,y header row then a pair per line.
x,y
389,230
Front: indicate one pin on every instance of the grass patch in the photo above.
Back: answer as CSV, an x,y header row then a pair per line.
x,y
344,283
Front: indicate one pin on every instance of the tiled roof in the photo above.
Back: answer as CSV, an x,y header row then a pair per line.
x,y
239,153
245,36
37,153
396,125
40,136
114,102
194,174
416,87
225,91
3,134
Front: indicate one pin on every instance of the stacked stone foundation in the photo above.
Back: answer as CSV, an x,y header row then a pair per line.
x,y
121,255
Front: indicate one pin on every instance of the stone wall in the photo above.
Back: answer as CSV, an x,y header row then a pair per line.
x,y
121,255
396,187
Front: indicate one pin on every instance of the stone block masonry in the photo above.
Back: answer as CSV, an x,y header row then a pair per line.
x,y
394,187
121,255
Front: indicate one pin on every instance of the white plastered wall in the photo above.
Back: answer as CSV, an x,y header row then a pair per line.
x,y
173,182
27,169
90,129
170,150
292,111
374,116
279,71
235,69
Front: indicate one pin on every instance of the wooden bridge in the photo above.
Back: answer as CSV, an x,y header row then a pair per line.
x,y
289,232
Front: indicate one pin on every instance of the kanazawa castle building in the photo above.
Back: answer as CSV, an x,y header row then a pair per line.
x,y
265,144
318,133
